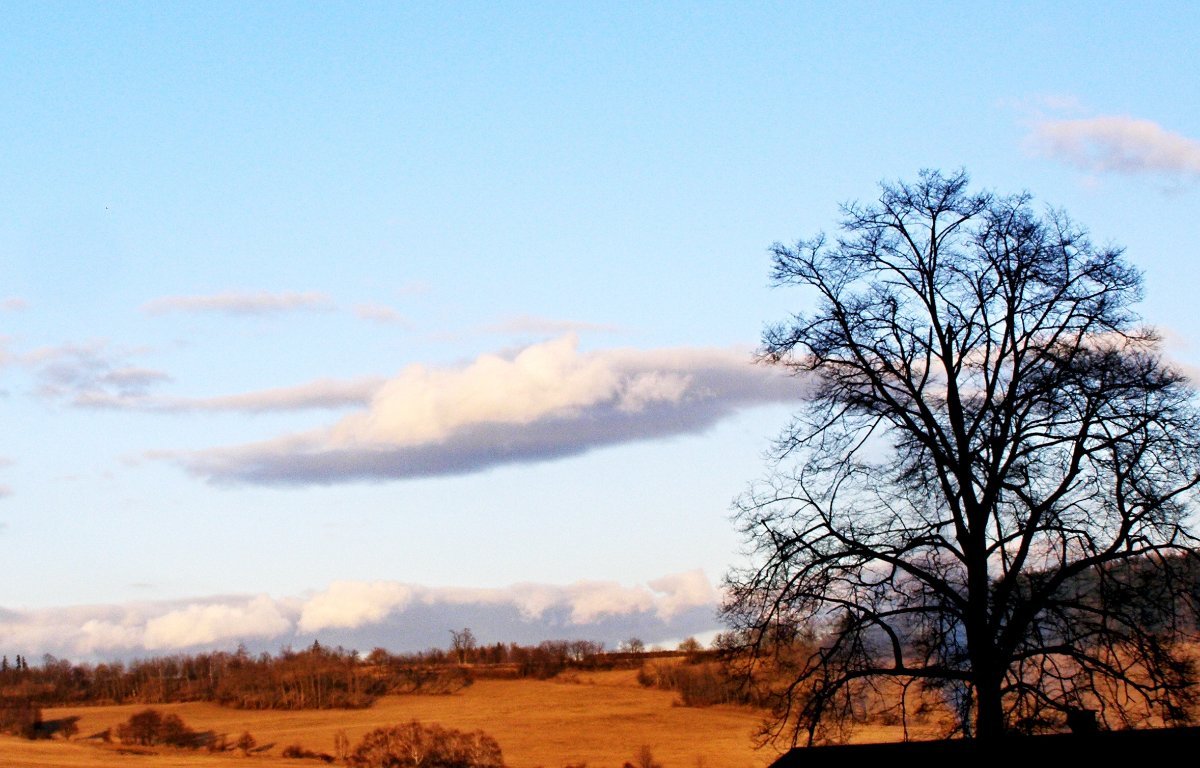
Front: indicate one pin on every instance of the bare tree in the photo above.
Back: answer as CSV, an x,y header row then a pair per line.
x,y
987,486
463,643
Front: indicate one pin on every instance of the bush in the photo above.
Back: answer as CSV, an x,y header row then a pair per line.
x,y
20,717
246,742
150,727
698,685
644,758
295,751
414,745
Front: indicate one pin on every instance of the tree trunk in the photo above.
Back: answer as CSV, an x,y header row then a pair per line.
x,y
989,712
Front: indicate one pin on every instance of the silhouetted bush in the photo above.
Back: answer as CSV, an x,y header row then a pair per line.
x,y
295,751
151,727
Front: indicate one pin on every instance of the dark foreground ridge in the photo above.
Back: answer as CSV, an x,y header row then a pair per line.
x,y
1102,748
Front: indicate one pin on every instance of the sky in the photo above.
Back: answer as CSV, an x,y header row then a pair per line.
x,y
362,322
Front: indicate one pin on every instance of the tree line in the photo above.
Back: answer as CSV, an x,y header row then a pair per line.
x,y
317,677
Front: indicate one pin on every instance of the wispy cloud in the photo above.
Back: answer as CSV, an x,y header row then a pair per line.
x,y
362,614
1117,144
544,326
13,304
237,303
546,401
91,374
5,491
96,375
378,313
319,394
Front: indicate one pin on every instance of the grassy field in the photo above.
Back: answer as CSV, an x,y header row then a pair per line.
x,y
599,719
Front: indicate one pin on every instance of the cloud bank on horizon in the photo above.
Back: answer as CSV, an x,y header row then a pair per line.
x,y
359,614
546,401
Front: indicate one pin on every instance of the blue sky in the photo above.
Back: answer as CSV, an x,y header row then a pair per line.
x,y
357,320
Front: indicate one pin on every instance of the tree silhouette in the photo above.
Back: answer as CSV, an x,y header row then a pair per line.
x,y
986,488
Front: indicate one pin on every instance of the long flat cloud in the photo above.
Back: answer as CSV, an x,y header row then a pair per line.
x,y
322,393
547,401
396,615
237,303
1117,144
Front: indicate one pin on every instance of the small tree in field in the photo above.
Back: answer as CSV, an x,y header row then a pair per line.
x,y
417,745
987,488
246,742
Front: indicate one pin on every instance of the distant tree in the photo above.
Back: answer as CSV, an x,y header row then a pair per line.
x,y
463,644
991,458
690,645
634,645
378,657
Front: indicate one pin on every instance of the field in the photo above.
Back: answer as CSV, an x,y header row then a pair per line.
x,y
599,719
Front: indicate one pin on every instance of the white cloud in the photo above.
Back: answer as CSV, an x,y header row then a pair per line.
x,y
236,303
100,636
352,604
591,601
1117,144
363,613
546,401
200,624
681,591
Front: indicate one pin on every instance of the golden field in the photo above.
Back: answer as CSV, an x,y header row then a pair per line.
x,y
599,719
595,718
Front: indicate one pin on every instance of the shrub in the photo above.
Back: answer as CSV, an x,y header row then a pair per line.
x,y
150,727
246,742
20,717
415,745
141,728
295,751
644,758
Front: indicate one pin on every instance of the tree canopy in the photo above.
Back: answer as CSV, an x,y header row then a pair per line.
x,y
986,490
